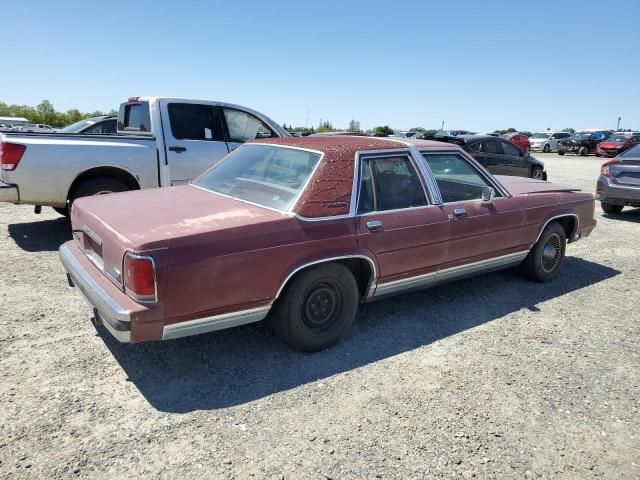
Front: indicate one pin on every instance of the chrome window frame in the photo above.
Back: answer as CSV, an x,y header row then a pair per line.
x,y
474,165
368,154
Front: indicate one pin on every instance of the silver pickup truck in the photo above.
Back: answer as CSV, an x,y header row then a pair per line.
x,y
160,142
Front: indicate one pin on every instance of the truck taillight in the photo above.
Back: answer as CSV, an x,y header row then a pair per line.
x,y
604,169
10,155
139,276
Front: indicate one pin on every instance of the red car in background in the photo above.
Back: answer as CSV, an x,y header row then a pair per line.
x,y
519,139
617,143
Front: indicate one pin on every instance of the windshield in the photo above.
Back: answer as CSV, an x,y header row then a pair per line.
x,y
76,127
618,138
540,135
263,174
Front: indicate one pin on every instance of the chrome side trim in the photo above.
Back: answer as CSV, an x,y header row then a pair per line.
x,y
573,234
448,274
368,292
115,318
216,322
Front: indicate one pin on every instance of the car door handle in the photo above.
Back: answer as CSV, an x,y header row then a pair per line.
x,y
457,213
374,225
177,148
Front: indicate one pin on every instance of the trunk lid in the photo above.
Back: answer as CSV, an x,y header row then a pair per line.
x,y
626,173
105,227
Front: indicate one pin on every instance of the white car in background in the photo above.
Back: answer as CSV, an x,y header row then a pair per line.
x,y
546,141
36,128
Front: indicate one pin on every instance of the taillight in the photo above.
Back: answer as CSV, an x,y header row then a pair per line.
x,y
604,169
139,273
10,155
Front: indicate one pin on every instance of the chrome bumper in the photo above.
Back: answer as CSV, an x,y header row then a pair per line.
x,y
9,193
112,315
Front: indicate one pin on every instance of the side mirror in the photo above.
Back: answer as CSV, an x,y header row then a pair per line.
x,y
488,194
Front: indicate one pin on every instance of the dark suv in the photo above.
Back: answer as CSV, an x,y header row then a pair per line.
x,y
583,142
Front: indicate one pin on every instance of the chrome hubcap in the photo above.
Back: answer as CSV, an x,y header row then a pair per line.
x,y
551,253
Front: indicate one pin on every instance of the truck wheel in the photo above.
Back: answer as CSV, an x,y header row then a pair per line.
x,y
560,152
583,151
62,211
537,173
545,258
610,208
547,148
97,186
317,309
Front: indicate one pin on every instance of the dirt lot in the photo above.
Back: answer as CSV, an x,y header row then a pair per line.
x,y
492,377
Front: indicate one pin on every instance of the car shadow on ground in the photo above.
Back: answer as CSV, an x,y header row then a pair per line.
x,y
627,215
43,236
240,365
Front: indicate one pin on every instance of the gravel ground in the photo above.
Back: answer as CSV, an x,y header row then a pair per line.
x,y
492,377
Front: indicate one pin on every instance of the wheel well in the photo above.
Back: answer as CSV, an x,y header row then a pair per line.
x,y
362,269
568,223
113,172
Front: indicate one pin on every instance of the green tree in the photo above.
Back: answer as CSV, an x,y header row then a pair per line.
x,y
417,129
570,130
325,126
354,126
46,111
383,131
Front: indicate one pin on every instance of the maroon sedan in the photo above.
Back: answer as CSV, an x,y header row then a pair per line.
x,y
299,231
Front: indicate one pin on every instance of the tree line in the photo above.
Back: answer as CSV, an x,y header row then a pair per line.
x,y
46,113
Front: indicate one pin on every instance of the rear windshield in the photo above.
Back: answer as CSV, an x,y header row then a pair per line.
x,y
263,174
76,127
134,117
631,153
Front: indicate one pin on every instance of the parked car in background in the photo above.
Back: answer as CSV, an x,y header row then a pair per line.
x,y
329,222
619,182
160,142
499,156
583,142
546,141
617,143
101,125
35,128
519,139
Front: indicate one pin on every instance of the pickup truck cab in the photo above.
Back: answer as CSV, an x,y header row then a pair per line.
x,y
159,142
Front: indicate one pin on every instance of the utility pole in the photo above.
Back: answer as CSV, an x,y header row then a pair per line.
x,y
442,128
618,127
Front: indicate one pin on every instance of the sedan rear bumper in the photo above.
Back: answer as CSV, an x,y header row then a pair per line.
x,y
115,317
9,193
617,194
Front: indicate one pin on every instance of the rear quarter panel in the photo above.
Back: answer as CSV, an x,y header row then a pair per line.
x,y
51,163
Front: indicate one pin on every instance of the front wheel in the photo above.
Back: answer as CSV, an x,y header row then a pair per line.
x,y
583,151
610,208
317,308
545,258
547,148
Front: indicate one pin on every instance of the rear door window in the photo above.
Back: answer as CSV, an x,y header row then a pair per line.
x,y
492,146
510,149
194,122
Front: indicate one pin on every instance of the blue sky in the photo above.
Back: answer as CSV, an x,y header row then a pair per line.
x,y
475,65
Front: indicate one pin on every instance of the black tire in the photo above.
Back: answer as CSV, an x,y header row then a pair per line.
x,y
97,186
561,152
317,308
547,148
537,173
583,151
545,258
610,208
62,211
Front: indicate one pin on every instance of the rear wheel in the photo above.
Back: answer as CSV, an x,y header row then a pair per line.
x,y
583,151
610,208
545,258
547,148
98,186
317,308
537,173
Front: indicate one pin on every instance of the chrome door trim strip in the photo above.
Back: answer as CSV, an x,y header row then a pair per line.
x,y
448,274
216,322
